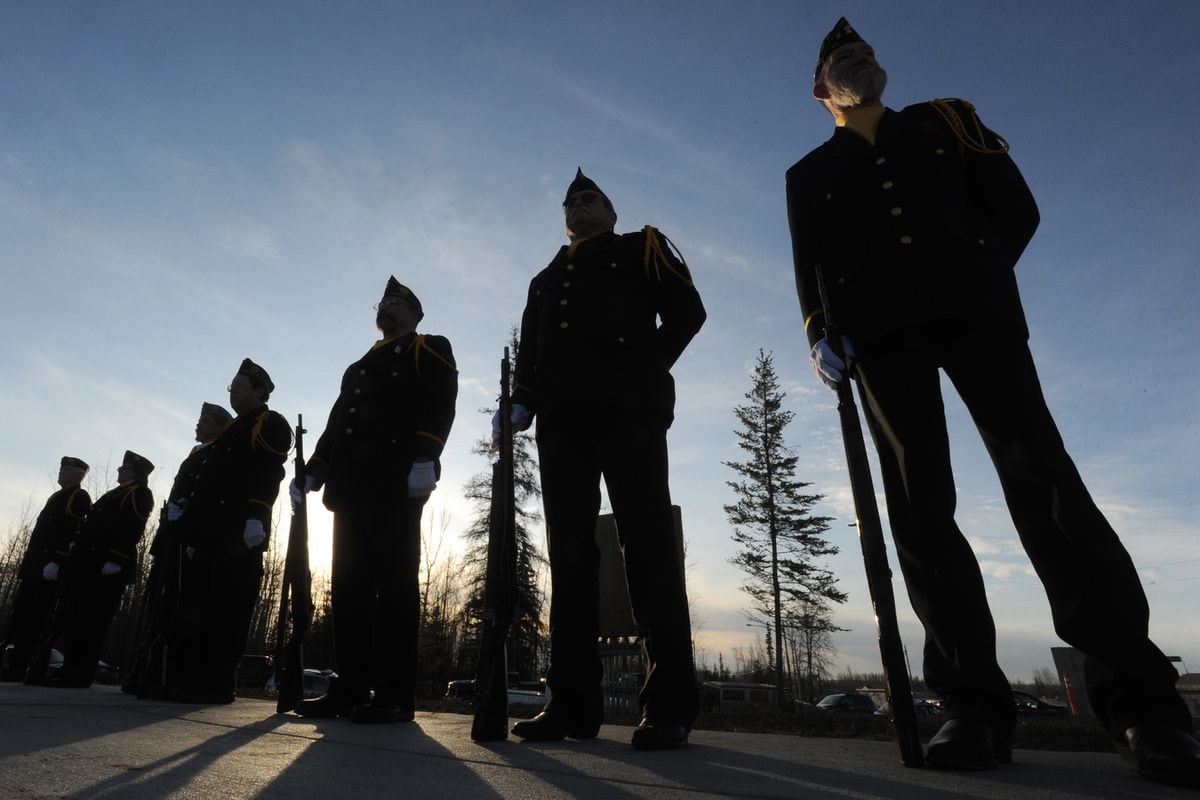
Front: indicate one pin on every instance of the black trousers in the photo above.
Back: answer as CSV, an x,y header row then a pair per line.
x,y
32,604
217,603
1095,596
376,596
91,600
576,449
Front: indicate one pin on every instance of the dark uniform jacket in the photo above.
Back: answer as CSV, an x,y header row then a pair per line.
x,y
54,530
919,227
112,530
603,326
238,480
396,404
181,489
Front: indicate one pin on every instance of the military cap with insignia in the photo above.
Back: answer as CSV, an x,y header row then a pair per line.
x,y
583,183
214,410
77,463
139,464
842,34
257,373
397,289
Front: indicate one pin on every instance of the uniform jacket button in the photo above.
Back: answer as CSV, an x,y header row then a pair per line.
x,y
562,302
905,240
349,431
897,211
562,324
880,161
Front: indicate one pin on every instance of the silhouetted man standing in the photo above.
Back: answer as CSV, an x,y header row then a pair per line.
x,y
39,570
224,528
917,219
378,462
602,327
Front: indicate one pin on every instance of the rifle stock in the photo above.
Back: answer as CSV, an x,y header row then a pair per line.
x,y
896,684
499,595
295,598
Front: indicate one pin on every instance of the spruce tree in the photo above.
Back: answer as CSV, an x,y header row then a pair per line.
x,y
781,543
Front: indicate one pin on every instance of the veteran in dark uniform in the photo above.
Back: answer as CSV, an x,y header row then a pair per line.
x,y
153,675
377,461
100,564
602,327
224,528
52,534
917,219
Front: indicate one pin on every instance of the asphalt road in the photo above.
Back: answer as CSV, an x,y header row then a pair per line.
x,y
99,743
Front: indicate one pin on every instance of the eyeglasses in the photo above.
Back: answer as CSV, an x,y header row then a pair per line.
x,y
581,199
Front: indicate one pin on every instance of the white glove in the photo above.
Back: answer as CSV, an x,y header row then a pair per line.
x,y
520,422
175,510
191,551
254,535
50,571
829,368
110,568
297,493
421,479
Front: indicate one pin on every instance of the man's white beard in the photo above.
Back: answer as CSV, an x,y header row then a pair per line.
x,y
856,87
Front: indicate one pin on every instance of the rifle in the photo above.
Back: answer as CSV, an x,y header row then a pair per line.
x,y
149,615
296,590
896,685
500,584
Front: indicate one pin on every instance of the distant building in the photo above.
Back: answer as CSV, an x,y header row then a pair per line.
x,y
1189,689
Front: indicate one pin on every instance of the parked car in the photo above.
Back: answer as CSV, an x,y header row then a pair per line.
x,y
254,671
848,702
316,682
464,689
1028,704
738,696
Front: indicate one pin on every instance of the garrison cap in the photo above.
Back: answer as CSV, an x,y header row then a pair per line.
x,y
841,34
583,183
77,463
139,464
256,372
397,289
214,410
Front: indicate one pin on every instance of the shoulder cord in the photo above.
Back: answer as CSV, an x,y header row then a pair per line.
x,y
419,345
976,143
654,250
256,437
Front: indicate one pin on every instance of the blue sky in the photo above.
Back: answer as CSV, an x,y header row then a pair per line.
x,y
184,185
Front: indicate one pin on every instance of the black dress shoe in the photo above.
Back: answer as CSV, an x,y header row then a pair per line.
x,y
553,726
381,711
657,734
968,744
1164,754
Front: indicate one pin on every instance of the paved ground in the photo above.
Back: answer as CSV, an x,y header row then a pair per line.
x,y
99,743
